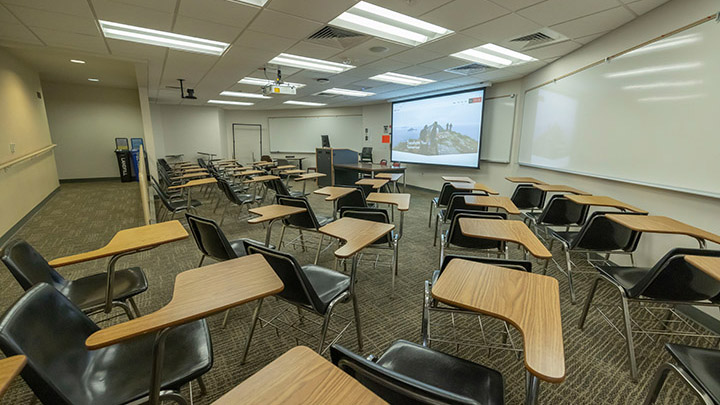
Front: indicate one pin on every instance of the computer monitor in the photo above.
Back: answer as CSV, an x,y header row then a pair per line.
x,y
325,141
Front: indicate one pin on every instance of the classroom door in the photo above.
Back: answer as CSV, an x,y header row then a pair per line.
x,y
247,142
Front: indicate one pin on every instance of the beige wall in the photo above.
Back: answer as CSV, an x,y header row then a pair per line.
x,y
84,122
24,123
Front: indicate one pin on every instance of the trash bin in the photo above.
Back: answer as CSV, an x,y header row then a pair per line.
x,y
136,164
124,165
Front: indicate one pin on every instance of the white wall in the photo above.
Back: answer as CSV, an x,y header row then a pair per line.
x,y
187,130
84,122
24,123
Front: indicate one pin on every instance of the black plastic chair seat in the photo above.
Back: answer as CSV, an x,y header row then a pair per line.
x,y
443,371
328,284
183,203
89,292
239,248
702,364
565,236
323,220
629,278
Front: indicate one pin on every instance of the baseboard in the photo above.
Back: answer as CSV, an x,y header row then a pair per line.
x,y
90,180
11,232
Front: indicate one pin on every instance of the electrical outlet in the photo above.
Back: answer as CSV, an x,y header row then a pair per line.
x,y
12,148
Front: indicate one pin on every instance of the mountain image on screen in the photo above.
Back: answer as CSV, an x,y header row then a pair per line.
x,y
435,139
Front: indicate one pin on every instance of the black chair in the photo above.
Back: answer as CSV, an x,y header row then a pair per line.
x,y
408,373
172,207
279,188
672,281
441,200
527,197
87,293
310,288
366,154
47,328
559,212
454,238
455,202
211,240
355,199
388,241
235,198
698,369
598,235
430,304
303,221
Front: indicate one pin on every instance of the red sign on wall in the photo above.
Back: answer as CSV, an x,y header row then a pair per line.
x,y
386,139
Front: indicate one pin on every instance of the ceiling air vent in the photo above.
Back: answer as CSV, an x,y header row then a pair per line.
x,y
470,69
336,37
537,39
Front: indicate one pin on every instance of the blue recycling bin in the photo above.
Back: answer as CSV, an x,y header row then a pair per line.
x,y
135,157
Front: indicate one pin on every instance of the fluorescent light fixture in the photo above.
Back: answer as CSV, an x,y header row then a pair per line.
x,y
346,92
229,102
258,3
308,103
670,98
302,62
662,85
161,38
381,22
254,81
493,55
241,94
654,69
401,79
81,62
92,79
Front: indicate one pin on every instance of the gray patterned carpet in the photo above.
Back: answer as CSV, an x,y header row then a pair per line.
x,y
84,216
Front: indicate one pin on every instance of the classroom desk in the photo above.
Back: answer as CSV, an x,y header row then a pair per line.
x,y
190,184
308,176
9,369
263,164
284,167
708,264
505,230
660,224
559,188
602,201
197,294
474,187
299,160
357,235
260,179
493,201
366,168
333,194
456,179
300,376
290,173
270,214
530,302
524,180
393,177
194,175
127,242
399,200
376,184
194,170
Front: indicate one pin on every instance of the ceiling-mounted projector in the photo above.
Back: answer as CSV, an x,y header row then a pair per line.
x,y
279,88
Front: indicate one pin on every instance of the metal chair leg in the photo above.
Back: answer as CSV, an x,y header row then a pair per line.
x,y
201,383
431,214
323,331
202,259
135,309
302,240
437,219
588,301
358,327
569,276
317,253
659,380
425,332
629,339
282,235
256,315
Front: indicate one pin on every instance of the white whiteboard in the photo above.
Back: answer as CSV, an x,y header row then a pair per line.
x,y
497,130
648,117
302,134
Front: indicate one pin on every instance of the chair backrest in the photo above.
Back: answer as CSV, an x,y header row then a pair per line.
x,y
560,211
163,197
163,163
266,158
28,266
457,202
602,234
672,278
354,199
456,238
521,265
230,194
47,328
393,387
369,214
278,187
201,163
445,192
305,219
297,287
282,162
366,154
209,238
527,197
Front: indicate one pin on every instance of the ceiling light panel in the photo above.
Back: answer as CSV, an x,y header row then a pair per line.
x,y
258,3
346,92
494,55
307,103
78,61
318,65
254,81
229,102
161,38
241,94
383,23
401,79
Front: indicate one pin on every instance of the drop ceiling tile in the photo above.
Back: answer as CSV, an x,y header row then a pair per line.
x,y
643,6
155,54
284,25
516,5
417,70
185,65
451,44
412,8
312,50
554,50
133,15
415,56
50,20
596,23
503,28
316,10
553,12
261,40
440,76
7,17
461,14
89,43
166,6
361,54
384,88
205,29
589,38
446,62
17,32
219,11
73,7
